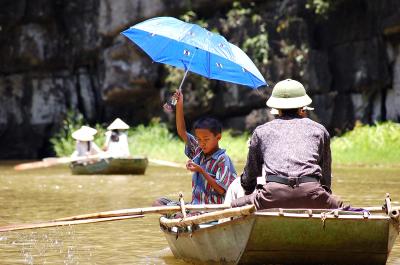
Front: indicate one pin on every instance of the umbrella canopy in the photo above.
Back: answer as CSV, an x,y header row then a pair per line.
x,y
193,48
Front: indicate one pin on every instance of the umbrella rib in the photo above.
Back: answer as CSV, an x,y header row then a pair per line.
x,y
208,69
162,50
251,78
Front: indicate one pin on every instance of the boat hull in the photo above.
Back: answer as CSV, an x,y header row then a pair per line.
x,y
117,166
297,239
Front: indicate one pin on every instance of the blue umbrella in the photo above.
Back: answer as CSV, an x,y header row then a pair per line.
x,y
193,48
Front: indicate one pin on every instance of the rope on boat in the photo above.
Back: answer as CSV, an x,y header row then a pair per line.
x,y
182,204
392,212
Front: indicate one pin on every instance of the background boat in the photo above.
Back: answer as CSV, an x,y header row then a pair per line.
x,y
132,165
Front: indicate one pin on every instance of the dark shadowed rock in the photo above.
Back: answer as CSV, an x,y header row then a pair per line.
x,y
317,75
324,105
393,94
258,117
360,66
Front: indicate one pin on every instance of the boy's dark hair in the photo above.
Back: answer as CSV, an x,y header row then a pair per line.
x,y
211,124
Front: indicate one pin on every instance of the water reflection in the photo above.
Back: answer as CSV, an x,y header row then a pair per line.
x,y
52,193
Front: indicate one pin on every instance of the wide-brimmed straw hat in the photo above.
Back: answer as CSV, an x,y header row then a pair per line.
x,y
288,94
118,124
85,133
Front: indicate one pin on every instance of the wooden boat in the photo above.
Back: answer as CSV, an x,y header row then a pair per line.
x,y
132,165
285,236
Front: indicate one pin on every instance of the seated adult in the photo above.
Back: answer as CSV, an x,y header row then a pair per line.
x,y
84,142
116,143
292,152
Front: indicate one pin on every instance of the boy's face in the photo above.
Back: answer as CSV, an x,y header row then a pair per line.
x,y
208,142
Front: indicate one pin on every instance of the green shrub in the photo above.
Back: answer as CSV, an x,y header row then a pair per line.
x,y
377,144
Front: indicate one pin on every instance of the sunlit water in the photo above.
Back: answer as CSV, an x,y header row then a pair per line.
x,y
47,194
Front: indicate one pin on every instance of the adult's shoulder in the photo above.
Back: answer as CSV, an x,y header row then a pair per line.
x,y
262,127
316,125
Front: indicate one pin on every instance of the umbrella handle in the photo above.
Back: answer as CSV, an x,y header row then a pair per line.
x,y
169,106
183,79
171,103
173,99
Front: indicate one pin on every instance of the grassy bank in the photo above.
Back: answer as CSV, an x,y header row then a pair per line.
x,y
368,145
365,145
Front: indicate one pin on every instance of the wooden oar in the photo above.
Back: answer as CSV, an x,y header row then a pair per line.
x,y
64,223
53,161
146,210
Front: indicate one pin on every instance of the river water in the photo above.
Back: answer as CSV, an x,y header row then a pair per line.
x,y
38,195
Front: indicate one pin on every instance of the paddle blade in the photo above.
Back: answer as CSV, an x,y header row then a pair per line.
x,y
33,165
9,228
52,161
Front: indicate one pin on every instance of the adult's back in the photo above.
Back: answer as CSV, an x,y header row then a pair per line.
x,y
292,153
294,147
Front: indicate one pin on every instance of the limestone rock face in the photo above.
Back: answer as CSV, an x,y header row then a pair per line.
x,y
114,16
32,106
393,94
58,56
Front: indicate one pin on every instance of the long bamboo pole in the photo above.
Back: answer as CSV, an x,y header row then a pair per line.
x,y
146,210
15,227
53,161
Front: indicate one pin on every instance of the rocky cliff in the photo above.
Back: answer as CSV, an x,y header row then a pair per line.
x,y
59,55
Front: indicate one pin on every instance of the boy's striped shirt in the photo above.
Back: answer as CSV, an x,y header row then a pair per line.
x,y
218,165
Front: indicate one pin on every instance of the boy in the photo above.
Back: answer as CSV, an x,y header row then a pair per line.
x,y
212,168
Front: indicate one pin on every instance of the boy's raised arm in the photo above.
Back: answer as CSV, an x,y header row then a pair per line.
x,y
180,119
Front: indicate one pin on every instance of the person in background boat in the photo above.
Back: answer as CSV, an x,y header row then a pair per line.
x,y
212,168
293,153
116,143
85,146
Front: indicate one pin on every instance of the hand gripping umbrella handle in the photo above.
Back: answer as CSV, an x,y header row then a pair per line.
x,y
168,106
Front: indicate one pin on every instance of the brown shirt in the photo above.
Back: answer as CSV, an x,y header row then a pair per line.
x,y
288,146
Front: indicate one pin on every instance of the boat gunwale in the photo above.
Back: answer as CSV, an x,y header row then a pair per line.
x,y
326,215
330,216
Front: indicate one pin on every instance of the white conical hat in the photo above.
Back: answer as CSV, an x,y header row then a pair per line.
x,y
91,130
118,124
85,133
